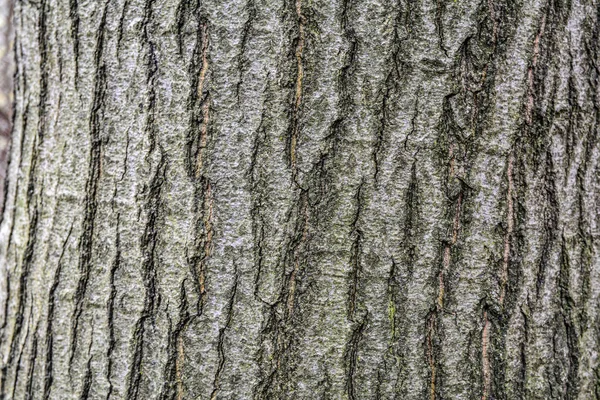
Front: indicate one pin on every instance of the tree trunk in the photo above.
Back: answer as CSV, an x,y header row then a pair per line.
x,y
306,199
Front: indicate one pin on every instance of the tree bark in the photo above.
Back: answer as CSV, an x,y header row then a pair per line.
x,y
305,199
6,92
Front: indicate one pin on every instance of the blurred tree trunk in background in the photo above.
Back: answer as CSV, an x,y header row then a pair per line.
x,y
6,88
309,199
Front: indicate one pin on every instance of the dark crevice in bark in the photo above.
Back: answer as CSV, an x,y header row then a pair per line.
x,y
464,117
19,365
197,161
151,73
91,190
242,61
121,26
198,104
440,9
295,128
43,47
74,17
222,336
52,300
5,308
87,379
521,384
550,226
16,89
202,246
19,76
351,355
31,364
112,342
149,275
20,168
278,336
396,68
22,294
173,387
400,276
592,50
355,253
432,351
256,179
185,10
566,330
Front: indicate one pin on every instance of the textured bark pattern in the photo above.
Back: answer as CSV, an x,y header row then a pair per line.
x,y
303,199
6,88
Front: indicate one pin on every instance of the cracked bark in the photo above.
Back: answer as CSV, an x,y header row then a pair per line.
x,y
303,199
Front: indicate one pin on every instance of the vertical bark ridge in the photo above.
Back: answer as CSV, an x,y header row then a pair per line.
x,y
294,129
52,300
222,337
173,386
110,308
355,259
149,275
247,32
400,277
94,173
74,17
395,66
22,294
351,357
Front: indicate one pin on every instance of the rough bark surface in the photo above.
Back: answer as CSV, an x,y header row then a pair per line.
x,y
6,92
307,199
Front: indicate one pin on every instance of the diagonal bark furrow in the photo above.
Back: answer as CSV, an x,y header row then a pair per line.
x,y
550,227
395,66
87,379
351,356
22,293
400,276
256,179
121,27
568,328
74,17
294,123
20,357
440,9
355,253
242,61
52,300
278,337
31,364
198,100
43,48
91,188
203,241
590,142
222,336
297,244
151,72
173,387
112,341
149,275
